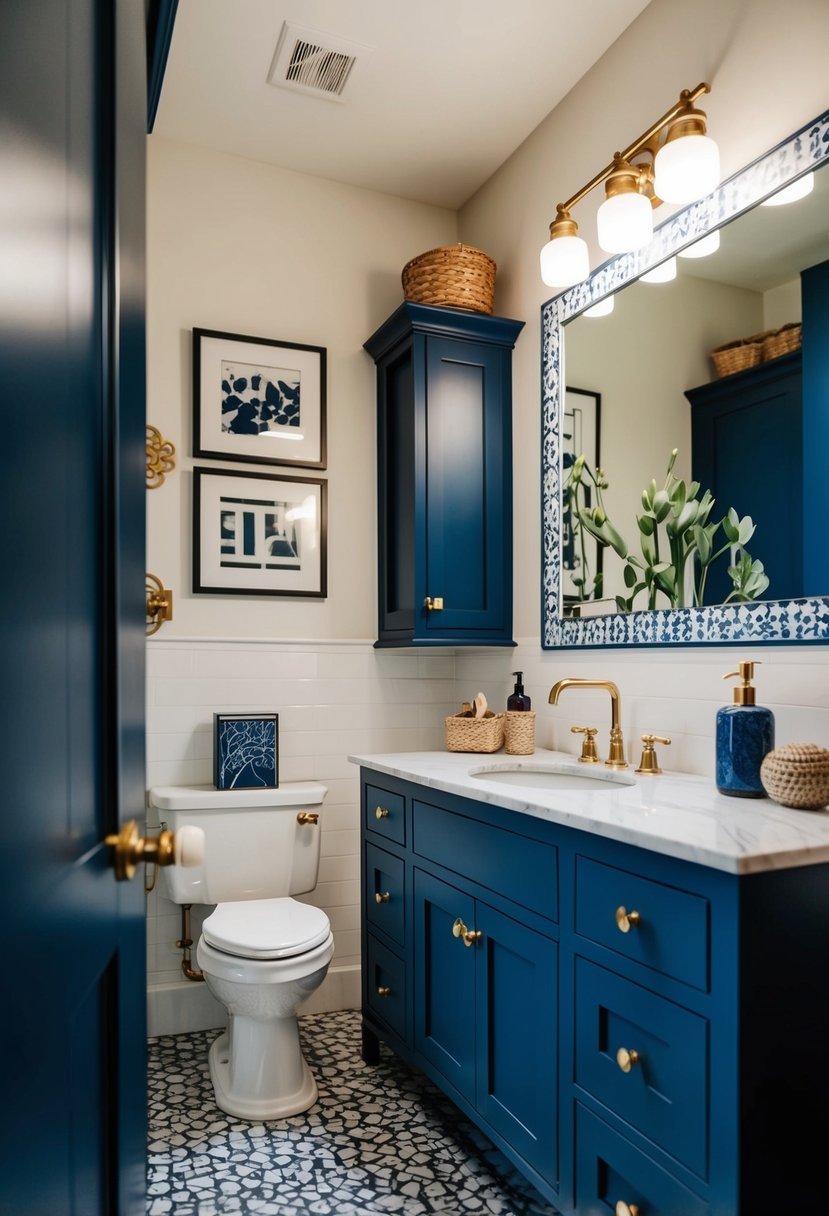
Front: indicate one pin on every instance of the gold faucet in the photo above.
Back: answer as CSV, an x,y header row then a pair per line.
x,y
616,758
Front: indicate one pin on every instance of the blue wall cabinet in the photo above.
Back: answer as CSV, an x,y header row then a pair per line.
x,y
676,1062
444,433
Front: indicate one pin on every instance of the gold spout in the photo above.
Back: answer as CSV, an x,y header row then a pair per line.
x,y
616,758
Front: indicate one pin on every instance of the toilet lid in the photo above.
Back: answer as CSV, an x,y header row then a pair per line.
x,y
266,928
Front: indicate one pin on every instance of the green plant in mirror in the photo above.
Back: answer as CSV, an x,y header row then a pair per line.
x,y
678,542
575,492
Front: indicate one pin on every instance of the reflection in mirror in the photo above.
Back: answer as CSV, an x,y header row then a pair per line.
x,y
634,550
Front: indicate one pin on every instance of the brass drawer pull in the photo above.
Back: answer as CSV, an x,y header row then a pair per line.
x,y
383,991
433,605
382,897
627,1059
381,812
627,920
469,936
628,1209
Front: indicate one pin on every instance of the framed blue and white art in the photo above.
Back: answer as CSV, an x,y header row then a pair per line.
x,y
245,751
259,534
258,400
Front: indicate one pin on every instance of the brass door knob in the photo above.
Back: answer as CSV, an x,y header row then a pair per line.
x,y
382,897
627,1209
468,936
130,848
381,812
308,817
627,920
384,992
627,1059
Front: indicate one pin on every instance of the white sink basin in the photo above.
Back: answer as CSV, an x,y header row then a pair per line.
x,y
552,776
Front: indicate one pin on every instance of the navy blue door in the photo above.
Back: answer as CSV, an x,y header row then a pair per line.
x,y
72,145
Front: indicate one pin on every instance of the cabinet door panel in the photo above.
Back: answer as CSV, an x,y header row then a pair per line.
x,y
444,1017
467,438
664,1093
385,893
517,1037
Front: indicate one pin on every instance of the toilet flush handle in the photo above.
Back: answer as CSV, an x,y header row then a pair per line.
x,y
182,848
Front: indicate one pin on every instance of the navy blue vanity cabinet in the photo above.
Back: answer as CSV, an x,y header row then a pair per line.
x,y
444,436
629,1028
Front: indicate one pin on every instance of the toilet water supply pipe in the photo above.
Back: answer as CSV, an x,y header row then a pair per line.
x,y
185,943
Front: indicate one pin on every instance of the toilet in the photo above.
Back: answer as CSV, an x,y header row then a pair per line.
x,y
262,952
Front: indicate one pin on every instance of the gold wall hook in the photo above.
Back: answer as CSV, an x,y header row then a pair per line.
x,y
161,457
159,603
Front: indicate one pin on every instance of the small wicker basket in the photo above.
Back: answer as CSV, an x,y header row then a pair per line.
x,y
737,356
465,734
519,732
782,341
797,775
453,276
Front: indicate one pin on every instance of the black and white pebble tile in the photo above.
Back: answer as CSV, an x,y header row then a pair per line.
x,y
379,1139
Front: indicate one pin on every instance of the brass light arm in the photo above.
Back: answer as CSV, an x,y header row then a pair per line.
x,y
645,141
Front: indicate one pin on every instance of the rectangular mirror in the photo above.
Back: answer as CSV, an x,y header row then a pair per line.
x,y
754,432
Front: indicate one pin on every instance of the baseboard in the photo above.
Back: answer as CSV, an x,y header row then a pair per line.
x,y
187,1005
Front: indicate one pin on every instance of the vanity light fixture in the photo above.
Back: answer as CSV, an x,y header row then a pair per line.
x,y
703,247
603,309
665,272
673,161
793,193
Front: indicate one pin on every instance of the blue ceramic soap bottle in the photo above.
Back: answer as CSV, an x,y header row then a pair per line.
x,y
745,733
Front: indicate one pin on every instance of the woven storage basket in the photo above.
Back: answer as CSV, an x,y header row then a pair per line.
x,y
454,276
737,356
519,732
475,734
797,775
783,341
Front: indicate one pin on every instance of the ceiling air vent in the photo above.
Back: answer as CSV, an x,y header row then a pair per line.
x,y
308,61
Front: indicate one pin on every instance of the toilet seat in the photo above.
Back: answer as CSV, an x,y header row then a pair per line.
x,y
266,928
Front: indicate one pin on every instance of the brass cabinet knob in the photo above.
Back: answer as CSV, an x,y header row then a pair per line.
x,y
384,992
308,817
627,920
627,1209
382,897
627,1059
468,936
380,812
433,604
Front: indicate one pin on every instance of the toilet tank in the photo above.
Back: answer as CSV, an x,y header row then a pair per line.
x,y
255,847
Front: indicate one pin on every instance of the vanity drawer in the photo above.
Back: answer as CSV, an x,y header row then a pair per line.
x,y
385,813
514,866
609,1171
664,1093
386,986
385,889
669,931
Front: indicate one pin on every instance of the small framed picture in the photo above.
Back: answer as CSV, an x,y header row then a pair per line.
x,y
245,751
258,400
259,534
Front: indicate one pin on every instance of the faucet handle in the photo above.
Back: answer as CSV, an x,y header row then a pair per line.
x,y
589,755
648,765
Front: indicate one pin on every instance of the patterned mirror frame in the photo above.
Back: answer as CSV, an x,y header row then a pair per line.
x,y
764,621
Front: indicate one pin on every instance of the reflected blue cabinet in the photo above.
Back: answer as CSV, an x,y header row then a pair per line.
x,y
675,1062
444,435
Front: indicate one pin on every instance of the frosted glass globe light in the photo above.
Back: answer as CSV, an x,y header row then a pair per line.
x,y
602,309
686,169
564,261
625,222
703,247
665,272
791,194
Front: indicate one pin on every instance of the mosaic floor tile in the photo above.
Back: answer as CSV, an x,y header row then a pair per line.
x,y
379,1141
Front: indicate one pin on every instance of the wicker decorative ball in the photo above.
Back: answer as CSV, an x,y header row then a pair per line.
x,y
797,775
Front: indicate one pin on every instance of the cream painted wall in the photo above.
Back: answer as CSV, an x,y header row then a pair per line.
x,y
782,304
244,247
767,68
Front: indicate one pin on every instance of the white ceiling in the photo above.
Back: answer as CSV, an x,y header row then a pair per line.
x,y
450,89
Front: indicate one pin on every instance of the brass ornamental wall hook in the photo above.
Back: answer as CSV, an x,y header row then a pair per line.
x,y
159,603
161,457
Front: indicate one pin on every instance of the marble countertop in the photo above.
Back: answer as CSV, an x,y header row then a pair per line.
x,y
677,814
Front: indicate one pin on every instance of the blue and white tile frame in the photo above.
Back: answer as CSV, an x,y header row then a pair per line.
x,y
801,620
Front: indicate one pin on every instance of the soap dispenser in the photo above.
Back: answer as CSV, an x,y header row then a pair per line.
x,y
518,700
745,734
